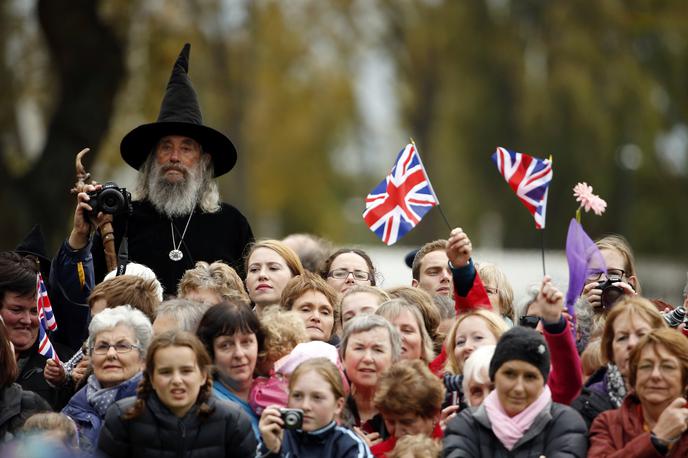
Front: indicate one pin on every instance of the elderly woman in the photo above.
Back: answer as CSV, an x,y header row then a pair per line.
x,y
626,324
210,283
314,301
476,379
370,345
174,413
652,421
233,337
269,265
518,418
407,318
409,397
117,342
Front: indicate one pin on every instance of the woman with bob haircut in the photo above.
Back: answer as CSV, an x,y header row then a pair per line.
x,y
233,337
316,389
348,267
653,419
118,339
370,345
409,397
314,301
210,283
407,318
519,417
424,302
476,378
17,404
174,413
269,265
629,320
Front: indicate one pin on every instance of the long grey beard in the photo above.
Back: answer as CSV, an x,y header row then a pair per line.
x,y
174,199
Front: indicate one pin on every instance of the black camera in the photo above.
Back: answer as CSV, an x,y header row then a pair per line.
x,y
610,293
110,199
675,317
293,418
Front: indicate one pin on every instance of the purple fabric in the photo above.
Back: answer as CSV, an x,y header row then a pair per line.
x,y
584,260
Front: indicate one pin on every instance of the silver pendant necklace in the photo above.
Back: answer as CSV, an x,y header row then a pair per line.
x,y
176,254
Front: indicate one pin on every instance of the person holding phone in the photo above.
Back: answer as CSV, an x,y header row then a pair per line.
x,y
308,428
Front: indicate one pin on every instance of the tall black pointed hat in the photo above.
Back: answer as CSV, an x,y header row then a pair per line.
x,y
33,244
180,114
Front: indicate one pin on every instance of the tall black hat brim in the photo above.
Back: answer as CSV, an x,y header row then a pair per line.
x,y
140,142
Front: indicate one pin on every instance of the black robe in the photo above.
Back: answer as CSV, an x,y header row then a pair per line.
x,y
219,236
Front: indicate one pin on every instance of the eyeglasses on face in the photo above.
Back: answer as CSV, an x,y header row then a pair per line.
x,y
612,274
102,348
529,321
342,274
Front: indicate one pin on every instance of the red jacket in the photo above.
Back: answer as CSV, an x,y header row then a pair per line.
x,y
566,375
619,433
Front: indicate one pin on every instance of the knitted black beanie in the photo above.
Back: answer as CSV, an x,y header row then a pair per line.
x,y
523,344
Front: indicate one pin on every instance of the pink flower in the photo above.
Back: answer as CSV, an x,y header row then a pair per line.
x,y
588,201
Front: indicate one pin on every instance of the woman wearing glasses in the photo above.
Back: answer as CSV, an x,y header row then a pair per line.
x,y
348,267
117,342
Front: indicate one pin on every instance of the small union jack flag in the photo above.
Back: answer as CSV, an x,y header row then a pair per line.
x,y
400,201
46,320
529,177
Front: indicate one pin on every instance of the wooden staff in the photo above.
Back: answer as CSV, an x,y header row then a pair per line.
x,y
107,233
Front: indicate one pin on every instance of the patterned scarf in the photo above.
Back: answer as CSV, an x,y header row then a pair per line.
x,y
616,387
102,398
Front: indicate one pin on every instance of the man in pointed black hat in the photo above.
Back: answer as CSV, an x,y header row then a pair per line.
x,y
178,218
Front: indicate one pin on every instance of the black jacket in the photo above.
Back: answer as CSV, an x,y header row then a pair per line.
x,y
556,432
591,403
210,237
16,405
226,432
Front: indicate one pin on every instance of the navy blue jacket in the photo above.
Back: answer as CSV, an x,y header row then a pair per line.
x,y
330,441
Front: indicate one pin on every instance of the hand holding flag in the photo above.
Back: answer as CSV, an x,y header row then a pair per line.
x,y
399,202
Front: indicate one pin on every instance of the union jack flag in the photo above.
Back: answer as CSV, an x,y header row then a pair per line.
x,y
401,200
46,320
529,177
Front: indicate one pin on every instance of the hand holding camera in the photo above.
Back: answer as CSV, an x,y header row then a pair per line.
x,y
274,421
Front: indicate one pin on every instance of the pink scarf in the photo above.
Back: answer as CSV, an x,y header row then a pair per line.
x,y
510,429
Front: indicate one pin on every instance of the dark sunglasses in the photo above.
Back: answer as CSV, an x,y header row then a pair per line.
x,y
529,321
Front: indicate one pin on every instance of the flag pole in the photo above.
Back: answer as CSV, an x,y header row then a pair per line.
x,y
432,190
542,248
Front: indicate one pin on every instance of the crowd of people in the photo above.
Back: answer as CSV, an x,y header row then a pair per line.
x,y
199,341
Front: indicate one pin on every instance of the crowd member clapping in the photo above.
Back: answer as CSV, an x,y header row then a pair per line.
x,y
415,340
174,413
653,419
309,429
360,299
348,267
370,345
269,265
626,324
518,418
314,300
17,404
210,283
409,397
233,337
117,343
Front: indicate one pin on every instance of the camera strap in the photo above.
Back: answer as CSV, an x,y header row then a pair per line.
x,y
123,253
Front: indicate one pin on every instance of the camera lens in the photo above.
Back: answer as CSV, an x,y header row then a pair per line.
x,y
111,201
